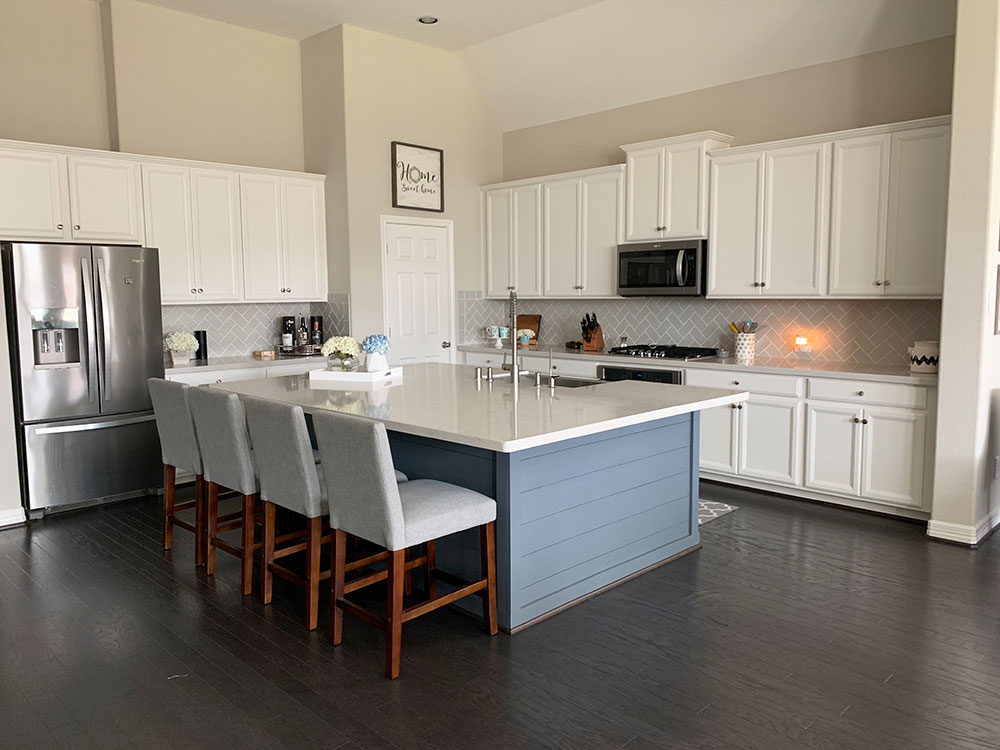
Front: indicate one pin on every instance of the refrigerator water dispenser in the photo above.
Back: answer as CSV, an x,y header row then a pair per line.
x,y
56,337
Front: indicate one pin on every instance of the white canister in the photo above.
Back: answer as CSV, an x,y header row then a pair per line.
x,y
746,346
376,362
924,356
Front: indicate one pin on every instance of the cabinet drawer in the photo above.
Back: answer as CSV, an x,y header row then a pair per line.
x,y
540,363
279,371
775,385
865,392
486,360
218,376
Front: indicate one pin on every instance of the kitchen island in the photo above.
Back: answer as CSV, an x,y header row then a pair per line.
x,y
593,484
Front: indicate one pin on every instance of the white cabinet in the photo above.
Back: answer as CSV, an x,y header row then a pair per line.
x,y
833,448
918,212
556,236
858,215
561,237
769,214
736,231
104,199
770,439
284,243
719,442
198,376
667,196
279,371
32,195
193,219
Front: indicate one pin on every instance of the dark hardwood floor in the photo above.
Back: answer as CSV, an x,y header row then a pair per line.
x,y
796,626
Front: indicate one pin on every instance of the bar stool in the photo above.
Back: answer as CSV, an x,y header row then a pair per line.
x,y
366,501
179,446
228,462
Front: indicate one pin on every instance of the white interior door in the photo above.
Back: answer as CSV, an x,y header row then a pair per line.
x,y
418,290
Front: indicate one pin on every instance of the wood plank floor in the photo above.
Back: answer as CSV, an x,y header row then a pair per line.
x,y
796,626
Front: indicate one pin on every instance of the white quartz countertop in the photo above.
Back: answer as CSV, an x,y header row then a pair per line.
x,y
213,364
826,369
446,402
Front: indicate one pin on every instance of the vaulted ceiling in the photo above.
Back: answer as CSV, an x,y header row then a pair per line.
x,y
539,61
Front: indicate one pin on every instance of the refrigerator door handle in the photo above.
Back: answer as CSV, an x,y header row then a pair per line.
x,y
102,292
93,425
88,350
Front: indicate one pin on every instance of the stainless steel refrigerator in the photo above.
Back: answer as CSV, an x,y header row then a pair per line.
x,y
85,334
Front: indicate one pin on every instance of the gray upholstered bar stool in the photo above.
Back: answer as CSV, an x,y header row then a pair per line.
x,y
365,500
179,446
228,462
289,478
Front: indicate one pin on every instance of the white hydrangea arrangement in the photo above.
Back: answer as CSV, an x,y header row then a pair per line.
x,y
343,348
525,332
181,341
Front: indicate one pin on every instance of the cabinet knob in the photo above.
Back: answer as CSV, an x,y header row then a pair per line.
x,y
76,226
511,288
861,393
878,283
59,226
864,421
194,291
201,291
732,406
555,367
736,382
289,290
661,229
739,406
887,282
578,286
856,420
763,284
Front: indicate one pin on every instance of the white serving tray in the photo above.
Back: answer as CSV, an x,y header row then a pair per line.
x,y
357,377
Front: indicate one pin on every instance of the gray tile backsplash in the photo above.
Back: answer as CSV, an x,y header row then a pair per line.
x,y
235,330
868,331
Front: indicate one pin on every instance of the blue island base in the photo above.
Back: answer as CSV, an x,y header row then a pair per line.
x,y
573,517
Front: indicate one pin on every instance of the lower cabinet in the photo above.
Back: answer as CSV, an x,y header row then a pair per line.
x,y
872,453
758,439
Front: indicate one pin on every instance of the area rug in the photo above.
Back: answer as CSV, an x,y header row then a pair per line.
x,y
709,510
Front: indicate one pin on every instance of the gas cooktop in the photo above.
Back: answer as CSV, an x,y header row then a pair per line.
x,y
664,351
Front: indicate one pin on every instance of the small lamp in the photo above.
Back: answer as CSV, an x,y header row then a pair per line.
x,y
802,347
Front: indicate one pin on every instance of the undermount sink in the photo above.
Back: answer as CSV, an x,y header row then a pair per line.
x,y
562,381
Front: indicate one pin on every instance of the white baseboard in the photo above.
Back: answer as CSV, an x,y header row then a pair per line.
x,y
11,517
963,533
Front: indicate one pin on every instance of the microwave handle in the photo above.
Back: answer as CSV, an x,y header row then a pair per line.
x,y
680,270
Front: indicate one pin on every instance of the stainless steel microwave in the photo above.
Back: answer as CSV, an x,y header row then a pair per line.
x,y
654,269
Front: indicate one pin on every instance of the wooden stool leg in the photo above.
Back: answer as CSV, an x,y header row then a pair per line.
x,y
314,548
169,487
431,569
267,554
246,556
211,527
407,576
488,547
338,559
199,521
394,613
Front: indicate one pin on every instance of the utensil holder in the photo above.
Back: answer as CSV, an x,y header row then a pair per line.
x,y
746,346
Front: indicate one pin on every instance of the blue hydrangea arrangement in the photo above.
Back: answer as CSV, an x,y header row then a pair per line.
x,y
376,343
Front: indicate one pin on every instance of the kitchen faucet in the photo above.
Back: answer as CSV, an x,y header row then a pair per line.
x,y
515,374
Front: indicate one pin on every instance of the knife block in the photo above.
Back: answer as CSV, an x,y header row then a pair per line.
x,y
596,343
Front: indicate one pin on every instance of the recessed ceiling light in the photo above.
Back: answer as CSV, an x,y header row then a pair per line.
x,y
428,20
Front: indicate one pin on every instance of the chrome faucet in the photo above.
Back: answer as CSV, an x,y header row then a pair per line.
x,y
515,374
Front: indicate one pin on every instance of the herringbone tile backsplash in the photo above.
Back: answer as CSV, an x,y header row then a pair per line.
x,y
864,331
235,330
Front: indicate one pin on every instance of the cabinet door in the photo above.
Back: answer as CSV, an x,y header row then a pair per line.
x,y
858,215
771,439
719,439
833,448
601,225
303,226
644,203
104,200
263,267
218,248
918,212
167,206
684,187
736,211
796,210
498,242
893,456
526,231
31,195
561,244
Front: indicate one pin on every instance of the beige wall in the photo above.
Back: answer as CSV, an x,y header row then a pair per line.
x,y
403,91
52,87
897,84
199,89
965,487
324,141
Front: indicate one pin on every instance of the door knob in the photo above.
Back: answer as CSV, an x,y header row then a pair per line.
x,y
446,345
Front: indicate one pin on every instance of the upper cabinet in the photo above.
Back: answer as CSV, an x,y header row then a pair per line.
x,y
556,236
854,214
191,212
667,195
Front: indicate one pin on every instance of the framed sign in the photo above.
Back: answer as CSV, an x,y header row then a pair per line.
x,y
417,177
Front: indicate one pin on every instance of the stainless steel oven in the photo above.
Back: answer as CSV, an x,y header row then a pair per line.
x,y
654,269
675,377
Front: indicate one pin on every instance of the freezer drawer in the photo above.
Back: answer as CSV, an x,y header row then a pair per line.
x,y
85,460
